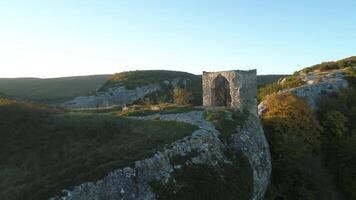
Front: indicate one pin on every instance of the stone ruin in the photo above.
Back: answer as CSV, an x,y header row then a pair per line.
x,y
235,89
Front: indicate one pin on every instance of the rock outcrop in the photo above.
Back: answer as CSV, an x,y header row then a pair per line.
x,y
134,182
119,96
316,85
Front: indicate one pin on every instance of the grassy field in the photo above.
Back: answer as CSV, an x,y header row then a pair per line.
x,y
51,89
43,151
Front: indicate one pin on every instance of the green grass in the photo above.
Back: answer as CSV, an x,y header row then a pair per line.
x,y
263,80
325,66
289,82
133,79
44,151
164,109
226,122
349,64
52,89
351,76
204,182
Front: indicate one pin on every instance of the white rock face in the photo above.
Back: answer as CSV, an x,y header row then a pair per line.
x,y
114,96
317,85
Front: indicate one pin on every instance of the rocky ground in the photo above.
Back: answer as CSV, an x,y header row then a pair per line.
x,y
316,84
134,182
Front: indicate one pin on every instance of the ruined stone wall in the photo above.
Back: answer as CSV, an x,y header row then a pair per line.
x,y
243,89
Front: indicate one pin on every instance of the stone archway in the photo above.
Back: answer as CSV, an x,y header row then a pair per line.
x,y
236,89
221,92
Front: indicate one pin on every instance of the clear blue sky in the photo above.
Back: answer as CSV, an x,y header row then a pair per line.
x,y
52,38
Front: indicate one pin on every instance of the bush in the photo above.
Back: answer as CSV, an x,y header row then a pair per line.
x,y
338,116
286,83
293,133
183,96
204,182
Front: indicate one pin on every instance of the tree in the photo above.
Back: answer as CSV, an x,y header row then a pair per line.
x,y
183,96
293,133
334,123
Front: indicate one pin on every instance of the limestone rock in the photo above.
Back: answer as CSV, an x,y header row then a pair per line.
x,y
133,183
317,85
119,96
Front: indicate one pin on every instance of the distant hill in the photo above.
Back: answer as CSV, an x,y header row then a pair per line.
x,y
52,88
325,66
65,88
133,79
263,80
299,78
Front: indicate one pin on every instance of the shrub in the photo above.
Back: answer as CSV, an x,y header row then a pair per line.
x,y
338,116
293,133
183,96
286,83
203,182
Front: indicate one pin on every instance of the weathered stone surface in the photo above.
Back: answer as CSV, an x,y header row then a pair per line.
x,y
317,85
242,89
250,139
119,95
133,183
114,96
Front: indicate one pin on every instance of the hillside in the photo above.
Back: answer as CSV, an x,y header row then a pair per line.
x,y
56,90
329,71
325,66
149,87
309,122
51,89
263,80
43,150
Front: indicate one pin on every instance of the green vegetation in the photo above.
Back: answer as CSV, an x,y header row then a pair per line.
x,y
52,89
287,83
225,121
338,116
137,110
202,181
293,133
348,64
43,151
57,90
108,110
182,159
351,76
263,80
133,79
183,96
325,66
193,84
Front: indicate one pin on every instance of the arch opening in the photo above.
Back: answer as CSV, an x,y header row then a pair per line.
x,y
221,92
